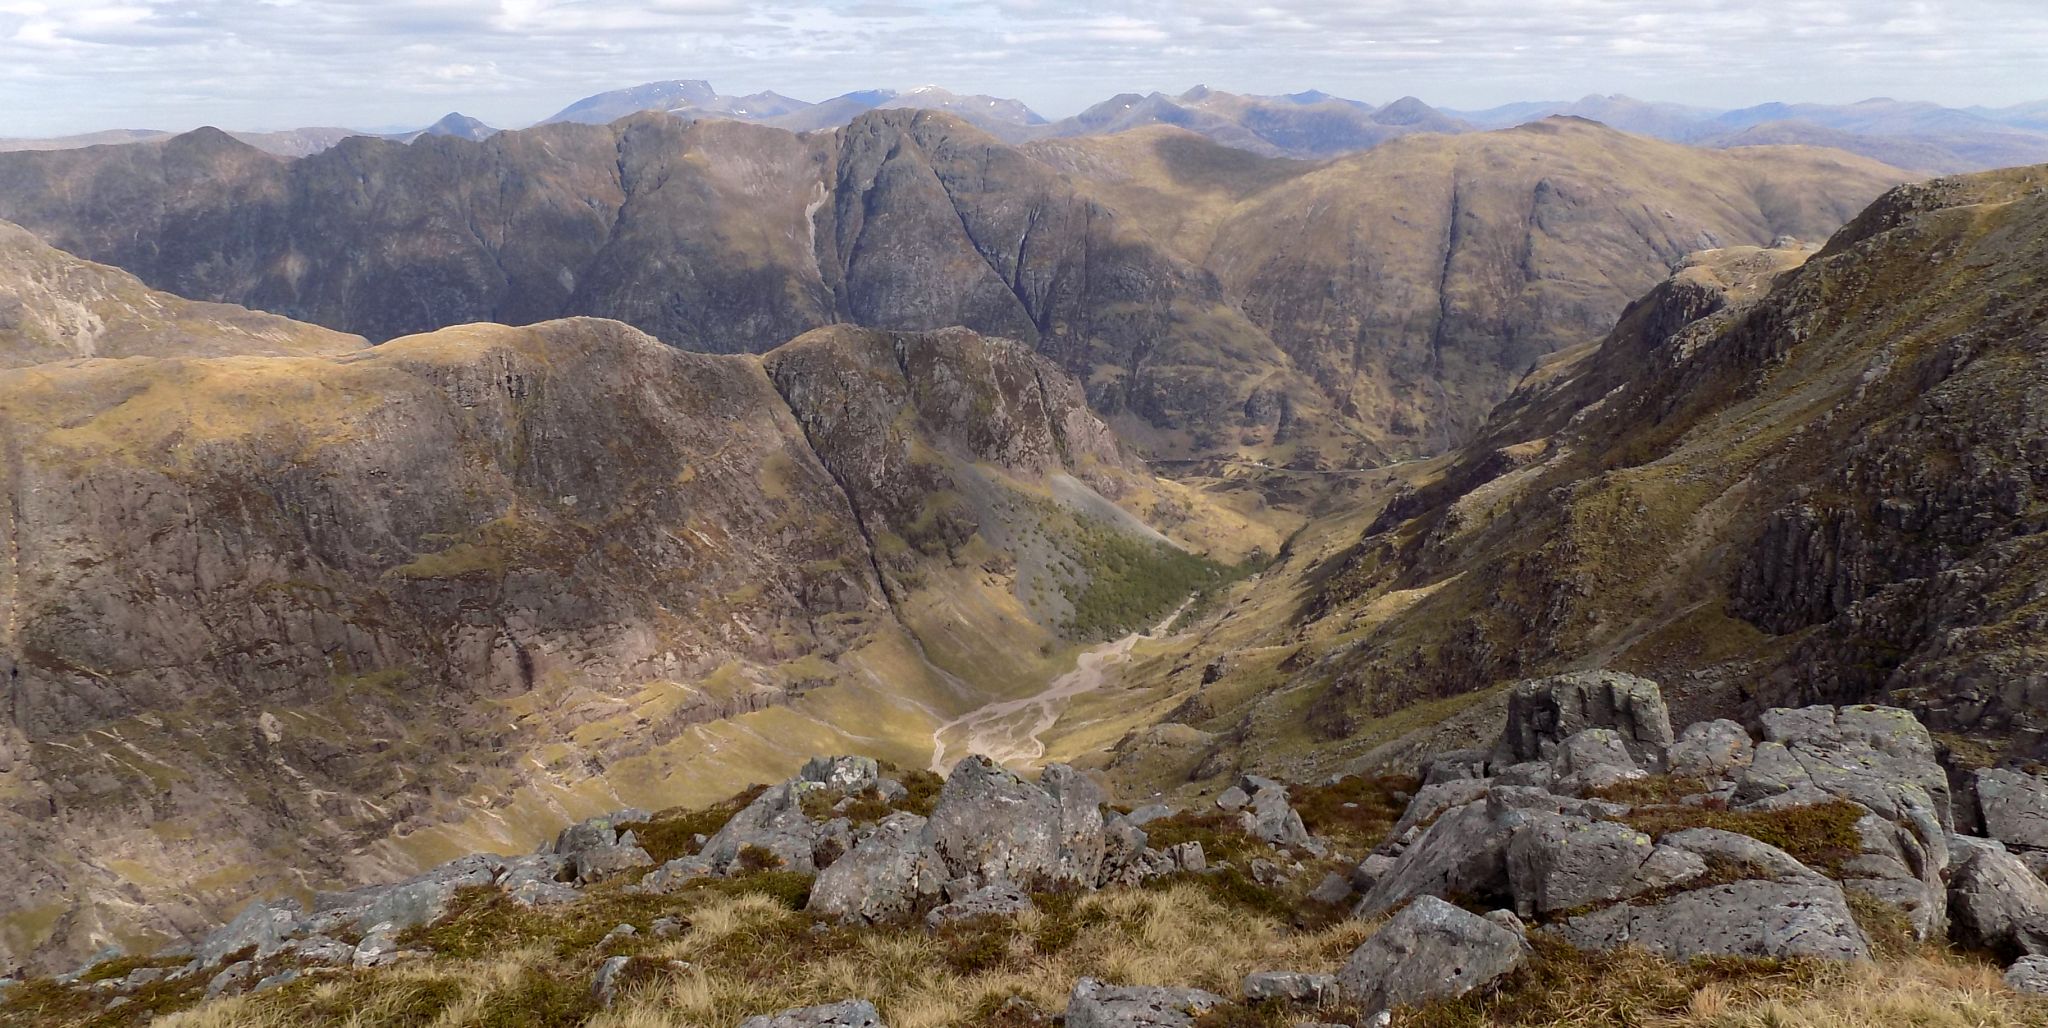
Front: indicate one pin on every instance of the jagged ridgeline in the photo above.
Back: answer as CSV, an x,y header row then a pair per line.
x,y
1588,866
1212,301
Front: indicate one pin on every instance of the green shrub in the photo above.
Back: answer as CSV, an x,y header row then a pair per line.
x,y
1130,582
1356,811
537,1000
672,833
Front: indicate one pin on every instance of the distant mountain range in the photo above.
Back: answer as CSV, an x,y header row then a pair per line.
x,y
303,142
1915,135
1313,124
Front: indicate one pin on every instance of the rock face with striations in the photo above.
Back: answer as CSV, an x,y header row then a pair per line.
x,y
278,565
1882,543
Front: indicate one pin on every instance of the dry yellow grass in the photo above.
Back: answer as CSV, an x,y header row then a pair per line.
x,y
749,954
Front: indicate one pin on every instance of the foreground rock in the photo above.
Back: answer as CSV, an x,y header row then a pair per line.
x,y
1094,1004
1430,950
1999,905
1781,908
1525,825
853,1013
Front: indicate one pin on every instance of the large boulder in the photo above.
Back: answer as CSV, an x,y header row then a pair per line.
x,y
595,832
598,863
1996,903
1899,867
2013,807
1566,862
888,876
852,1013
1273,819
991,825
1429,950
1779,908
1544,712
1464,853
775,823
1095,1004
1880,757
1592,759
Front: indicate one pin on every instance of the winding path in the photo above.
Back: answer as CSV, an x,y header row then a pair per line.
x,y
1008,731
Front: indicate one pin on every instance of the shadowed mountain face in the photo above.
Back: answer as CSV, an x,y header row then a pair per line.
x,y
1779,480
270,599
1211,301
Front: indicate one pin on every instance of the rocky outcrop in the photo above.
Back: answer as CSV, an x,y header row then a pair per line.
x,y
990,825
1857,787
1781,908
1544,713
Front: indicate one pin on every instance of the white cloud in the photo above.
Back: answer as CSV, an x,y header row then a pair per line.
x,y
75,65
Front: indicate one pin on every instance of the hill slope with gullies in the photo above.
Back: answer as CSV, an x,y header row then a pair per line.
x,y
1213,302
1785,477
273,617
1416,282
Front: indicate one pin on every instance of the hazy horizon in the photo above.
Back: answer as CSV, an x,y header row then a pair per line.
x,y
76,66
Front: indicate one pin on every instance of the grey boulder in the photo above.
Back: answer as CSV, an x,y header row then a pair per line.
x,y
1318,990
2028,975
1463,853
1566,862
887,876
1095,1004
775,823
2013,807
1544,712
1000,899
265,926
1996,903
1784,909
991,825
846,773
1710,749
852,1013
1429,950
1880,757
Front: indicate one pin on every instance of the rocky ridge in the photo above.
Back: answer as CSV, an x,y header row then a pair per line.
x,y
1590,824
1176,284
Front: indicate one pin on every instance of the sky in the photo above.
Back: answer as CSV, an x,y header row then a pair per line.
x,y
71,66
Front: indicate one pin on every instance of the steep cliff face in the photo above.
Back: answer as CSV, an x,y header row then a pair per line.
x,y
303,605
1779,479
1212,301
